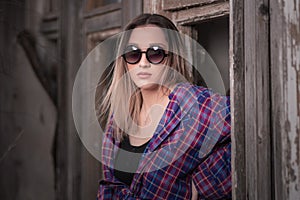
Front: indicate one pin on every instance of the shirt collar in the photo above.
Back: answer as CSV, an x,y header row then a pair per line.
x,y
182,98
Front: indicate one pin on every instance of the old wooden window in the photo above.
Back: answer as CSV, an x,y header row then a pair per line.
x,y
208,22
205,21
92,4
213,35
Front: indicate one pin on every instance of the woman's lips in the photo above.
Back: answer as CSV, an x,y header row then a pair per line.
x,y
144,75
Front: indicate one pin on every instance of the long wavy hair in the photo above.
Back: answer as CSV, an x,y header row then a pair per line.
x,y
118,96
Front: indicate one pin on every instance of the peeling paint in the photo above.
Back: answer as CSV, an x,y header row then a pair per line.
x,y
297,144
298,94
295,33
291,38
291,176
287,126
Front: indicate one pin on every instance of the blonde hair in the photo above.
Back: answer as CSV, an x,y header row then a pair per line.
x,y
122,95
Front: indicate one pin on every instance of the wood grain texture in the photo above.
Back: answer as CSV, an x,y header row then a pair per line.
x,y
285,59
237,93
257,100
202,13
172,5
131,9
103,22
101,10
68,145
50,26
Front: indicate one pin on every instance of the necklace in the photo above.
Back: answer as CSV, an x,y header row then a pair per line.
x,y
145,118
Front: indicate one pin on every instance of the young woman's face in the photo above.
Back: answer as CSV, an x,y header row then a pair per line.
x,y
145,72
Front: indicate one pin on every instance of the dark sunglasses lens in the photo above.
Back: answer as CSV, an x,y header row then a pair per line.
x,y
155,55
132,57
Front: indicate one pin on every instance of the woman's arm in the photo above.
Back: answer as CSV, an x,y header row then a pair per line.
x,y
212,178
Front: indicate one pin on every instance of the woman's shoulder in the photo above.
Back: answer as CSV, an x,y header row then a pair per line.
x,y
188,90
186,87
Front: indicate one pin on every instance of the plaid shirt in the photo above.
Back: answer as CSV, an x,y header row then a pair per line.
x,y
191,143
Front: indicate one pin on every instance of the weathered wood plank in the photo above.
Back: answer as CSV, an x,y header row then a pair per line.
x,y
103,22
153,6
237,93
198,14
285,74
61,140
102,10
276,32
172,5
130,9
49,26
257,100
263,101
68,145
93,39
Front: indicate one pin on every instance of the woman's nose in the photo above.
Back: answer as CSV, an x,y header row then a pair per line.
x,y
144,61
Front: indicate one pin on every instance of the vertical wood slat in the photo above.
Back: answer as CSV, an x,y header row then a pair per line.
x,y
153,6
130,9
263,102
236,71
276,31
73,63
257,100
251,111
68,145
285,75
249,72
61,141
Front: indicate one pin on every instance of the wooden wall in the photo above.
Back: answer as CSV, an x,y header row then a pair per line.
x,y
285,93
264,84
83,25
265,98
27,114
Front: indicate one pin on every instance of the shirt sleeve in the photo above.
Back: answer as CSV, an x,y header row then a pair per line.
x,y
212,177
110,190
106,190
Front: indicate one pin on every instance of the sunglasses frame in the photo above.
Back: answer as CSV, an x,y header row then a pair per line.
x,y
147,56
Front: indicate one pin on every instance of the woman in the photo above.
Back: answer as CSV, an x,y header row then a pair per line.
x,y
166,138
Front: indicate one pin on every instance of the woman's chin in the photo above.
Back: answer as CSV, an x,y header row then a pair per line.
x,y
148,86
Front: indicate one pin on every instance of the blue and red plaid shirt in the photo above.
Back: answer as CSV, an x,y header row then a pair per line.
x,y
191,143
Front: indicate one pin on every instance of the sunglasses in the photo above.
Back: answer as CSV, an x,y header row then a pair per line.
x,y
154,54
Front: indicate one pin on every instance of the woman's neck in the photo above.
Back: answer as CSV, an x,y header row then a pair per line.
x,y
154,105
158,96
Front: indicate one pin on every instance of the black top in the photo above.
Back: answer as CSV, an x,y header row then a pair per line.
x,y
127,160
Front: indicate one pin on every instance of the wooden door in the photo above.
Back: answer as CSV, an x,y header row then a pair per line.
x,y
101,20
